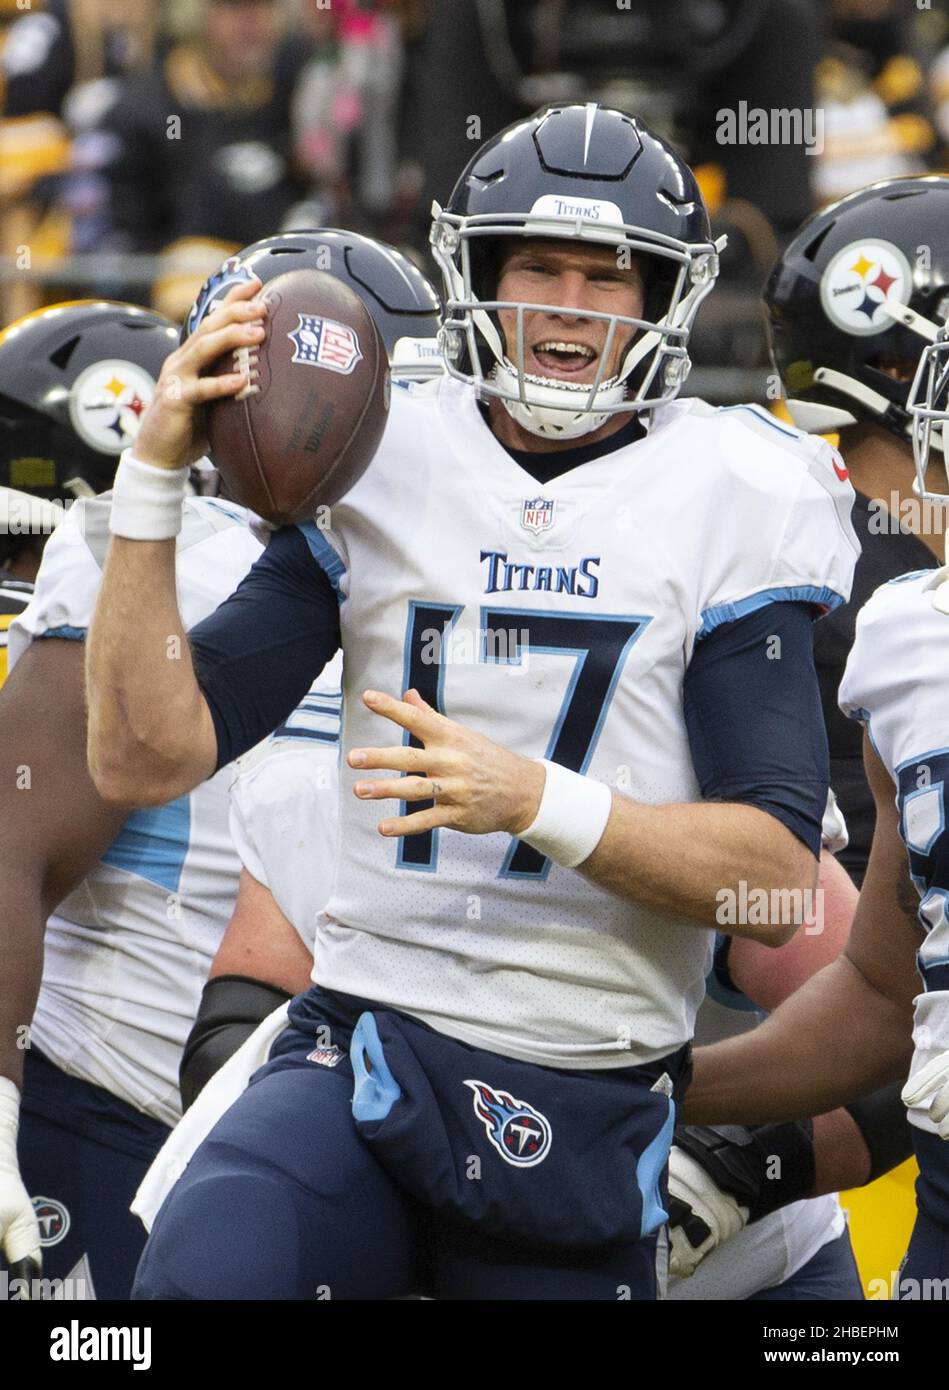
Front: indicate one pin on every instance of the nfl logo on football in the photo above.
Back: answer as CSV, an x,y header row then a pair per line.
x,y
538,515
322,342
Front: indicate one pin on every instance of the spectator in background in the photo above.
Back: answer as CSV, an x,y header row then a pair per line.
x,y
346,105
59,61
871,86
198,149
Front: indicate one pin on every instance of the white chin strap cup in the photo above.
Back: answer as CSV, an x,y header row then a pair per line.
x,y
548,413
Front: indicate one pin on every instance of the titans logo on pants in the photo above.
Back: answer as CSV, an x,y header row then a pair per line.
x,y
520,1133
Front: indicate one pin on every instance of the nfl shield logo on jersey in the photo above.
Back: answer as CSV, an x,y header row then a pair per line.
x,y
520,1133
538,515
324,343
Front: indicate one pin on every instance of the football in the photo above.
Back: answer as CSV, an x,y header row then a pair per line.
x,y
307,424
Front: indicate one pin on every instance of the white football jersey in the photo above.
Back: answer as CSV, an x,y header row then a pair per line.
x,y
896,684
128,952
557,620
284,801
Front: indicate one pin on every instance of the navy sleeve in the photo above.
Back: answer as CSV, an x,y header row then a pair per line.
x,y
753,714
257,655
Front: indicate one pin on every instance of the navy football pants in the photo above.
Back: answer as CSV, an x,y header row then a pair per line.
x,y
283,1200
84,1152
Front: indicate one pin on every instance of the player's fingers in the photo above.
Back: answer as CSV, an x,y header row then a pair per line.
x,y
927,1080
401,758
406,789
240,290
940,1107
204,348
435,818
421,722
241,302
21,1239
212,388
412,697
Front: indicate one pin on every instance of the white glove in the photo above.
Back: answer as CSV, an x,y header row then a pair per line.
x,y
19,1229
721,1215
932,1080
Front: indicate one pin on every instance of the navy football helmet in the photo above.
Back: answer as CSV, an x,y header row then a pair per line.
x,y
857,303
400,298
75,379
577,172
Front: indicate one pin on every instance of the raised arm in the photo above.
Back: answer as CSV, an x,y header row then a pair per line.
x,y
151,734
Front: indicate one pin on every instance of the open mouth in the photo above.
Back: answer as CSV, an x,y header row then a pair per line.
x,y
562,357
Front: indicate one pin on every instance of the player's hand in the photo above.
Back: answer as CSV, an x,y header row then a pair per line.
x,y
701,1215
931,1083
19,1230
171,434
477,786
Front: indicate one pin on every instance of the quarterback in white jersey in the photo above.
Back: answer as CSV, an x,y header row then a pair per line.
x,y
511,969
503,643
127,949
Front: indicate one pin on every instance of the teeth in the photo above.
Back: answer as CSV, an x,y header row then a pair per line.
x,y
553,346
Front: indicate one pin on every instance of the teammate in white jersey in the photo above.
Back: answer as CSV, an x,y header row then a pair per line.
x,y
128,947
895,685
562,599
140,899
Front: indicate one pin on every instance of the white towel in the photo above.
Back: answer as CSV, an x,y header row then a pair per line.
x,y
218,1095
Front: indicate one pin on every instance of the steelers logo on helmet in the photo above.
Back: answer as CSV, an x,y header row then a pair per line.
x,y
107,403
860,281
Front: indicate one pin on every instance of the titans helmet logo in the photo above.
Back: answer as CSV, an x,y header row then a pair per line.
x,y
215,287
520,1133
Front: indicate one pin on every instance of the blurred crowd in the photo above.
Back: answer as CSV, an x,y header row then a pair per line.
x,y
142,140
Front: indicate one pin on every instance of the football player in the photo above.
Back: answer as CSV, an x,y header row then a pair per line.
x,y
852,301
894,685
133,904
529,557
851,304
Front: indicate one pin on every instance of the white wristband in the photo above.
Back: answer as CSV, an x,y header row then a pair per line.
x,y
147,501
571,818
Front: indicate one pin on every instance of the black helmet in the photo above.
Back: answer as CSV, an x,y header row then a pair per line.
x,y
864,284
399,297
75,379
578,172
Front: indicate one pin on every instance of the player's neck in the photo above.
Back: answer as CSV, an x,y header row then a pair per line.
x,y
881,467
